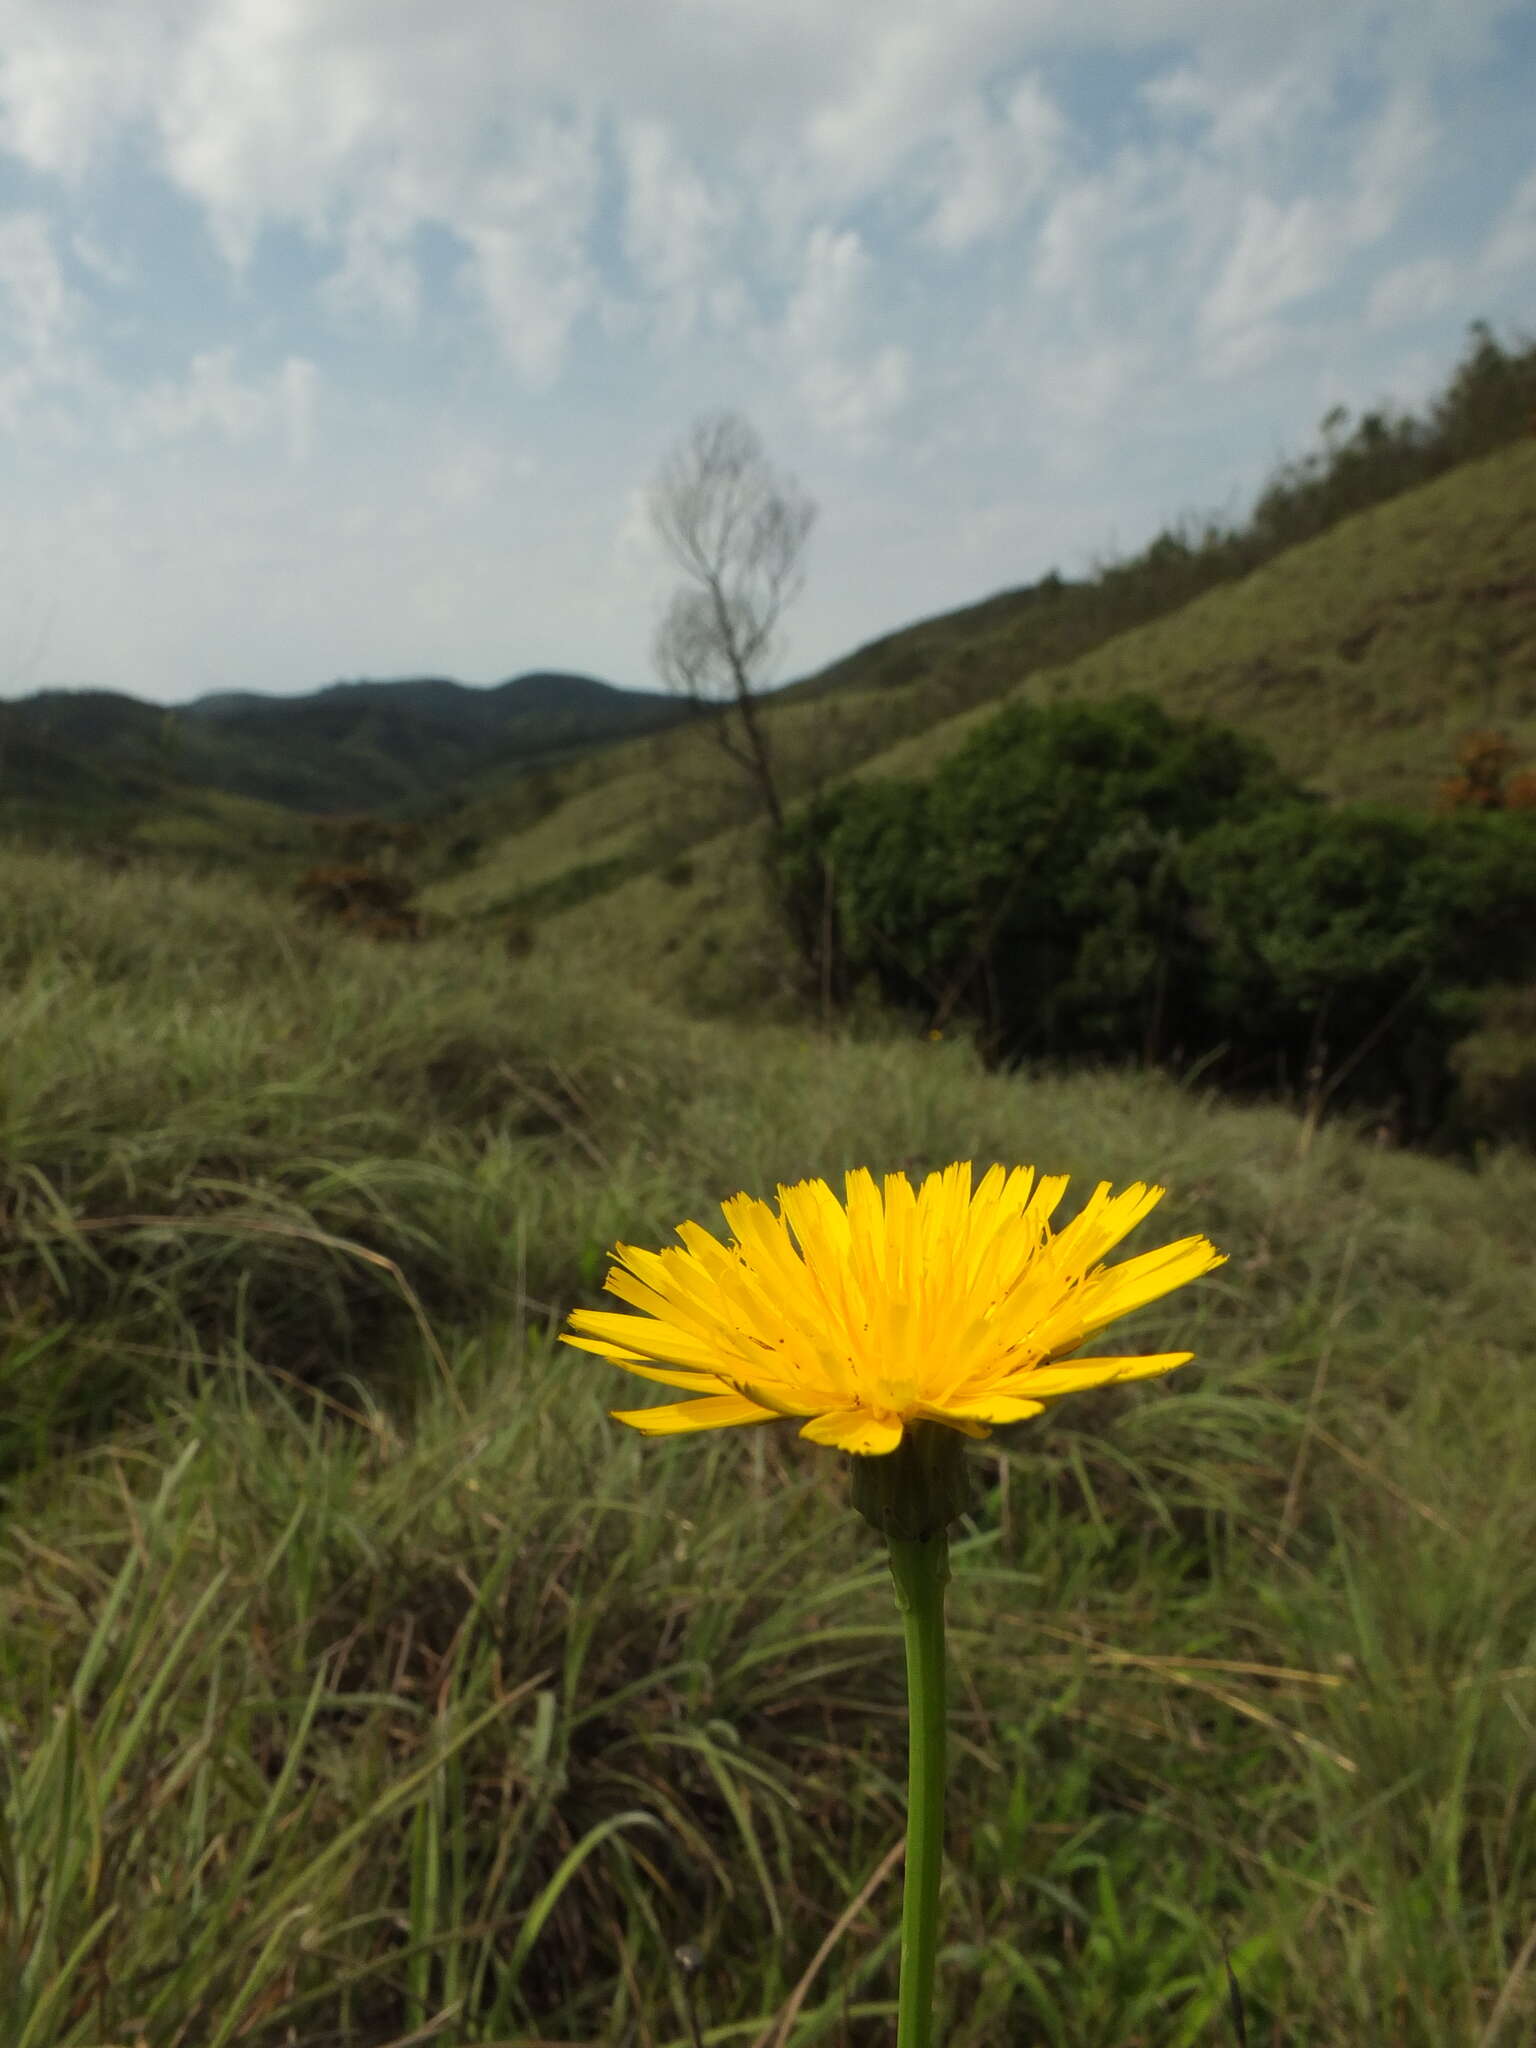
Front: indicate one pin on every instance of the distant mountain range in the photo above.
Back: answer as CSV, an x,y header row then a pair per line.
x,y
350,747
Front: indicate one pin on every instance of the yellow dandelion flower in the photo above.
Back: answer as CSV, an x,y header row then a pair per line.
x,y
893,1307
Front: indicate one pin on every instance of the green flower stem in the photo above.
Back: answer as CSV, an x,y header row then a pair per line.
x,y
921,1572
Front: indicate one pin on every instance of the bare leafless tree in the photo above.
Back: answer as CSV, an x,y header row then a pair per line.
x,y
737,530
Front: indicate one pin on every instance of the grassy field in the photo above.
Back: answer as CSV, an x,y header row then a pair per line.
x,y
361,1683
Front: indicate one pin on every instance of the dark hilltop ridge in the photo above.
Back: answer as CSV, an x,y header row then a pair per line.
x,y
359,745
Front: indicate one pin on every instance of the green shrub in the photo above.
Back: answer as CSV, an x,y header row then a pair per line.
x,y
847,868
1495,1066
1110,883
1343,948
1034,882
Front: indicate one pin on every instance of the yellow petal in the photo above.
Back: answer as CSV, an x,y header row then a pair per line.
x,y
693,1382
966,1425
854,1429
1072,1378
1118,1290
715,1411
642,1337
991,1408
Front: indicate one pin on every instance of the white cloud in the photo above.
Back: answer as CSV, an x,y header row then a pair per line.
x,y
855,400
827,300
39,306
1281,253
990,168
102,263
676,229
849,389
638,572
1138,235
1060,246
525,228
46,375
465,477
298,384
1398,151
363,121
1284,251
264,116
1418,290
377,277
75,73
212,398
1512,244
1247,113
890,99
1083,389
1413,291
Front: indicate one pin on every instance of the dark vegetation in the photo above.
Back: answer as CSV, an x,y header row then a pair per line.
x,y
1111,884
363,745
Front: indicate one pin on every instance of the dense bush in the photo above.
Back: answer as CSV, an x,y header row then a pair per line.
x,y
1495,1066
1112,883
1343,949
1033,884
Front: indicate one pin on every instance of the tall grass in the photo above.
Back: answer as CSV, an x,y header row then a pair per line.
x,y
361,1683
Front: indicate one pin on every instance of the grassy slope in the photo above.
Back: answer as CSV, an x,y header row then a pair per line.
x,y
205,827
465,1711
1362,658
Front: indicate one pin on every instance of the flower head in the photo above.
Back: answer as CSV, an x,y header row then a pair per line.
x,y
895,1306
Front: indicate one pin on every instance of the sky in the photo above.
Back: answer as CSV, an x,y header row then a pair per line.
x,y
343,338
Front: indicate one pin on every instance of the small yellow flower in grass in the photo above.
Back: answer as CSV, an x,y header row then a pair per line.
x,y
897,1320
896,1306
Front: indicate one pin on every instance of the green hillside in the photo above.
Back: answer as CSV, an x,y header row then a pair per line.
x,y
1373,609
371,746
1362,657
352,747
53,796
1487,405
